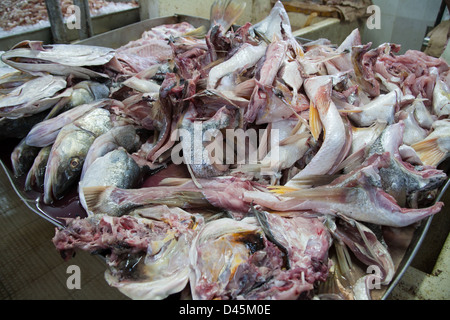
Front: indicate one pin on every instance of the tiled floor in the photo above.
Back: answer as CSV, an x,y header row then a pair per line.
x,y
31,268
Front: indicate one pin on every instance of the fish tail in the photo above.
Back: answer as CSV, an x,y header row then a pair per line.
x,y
319,193
315,180
174,182
314,121
94,196
429,152
226,12
281,189
199,33
294,138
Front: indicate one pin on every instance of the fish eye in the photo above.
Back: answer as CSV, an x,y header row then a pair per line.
x,y
74,163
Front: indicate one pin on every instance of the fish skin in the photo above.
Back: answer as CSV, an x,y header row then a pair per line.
x,y
115,168
274,56
217,192
357,195
364,244
58,59
45,132
435,148
20,127
319,91
120,136
69,152
246,57
400,179
202,165
277,26
22,158
284,156
81,93
441,97
382,108
35,176
34,96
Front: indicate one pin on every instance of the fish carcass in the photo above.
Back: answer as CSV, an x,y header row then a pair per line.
x,y
160,137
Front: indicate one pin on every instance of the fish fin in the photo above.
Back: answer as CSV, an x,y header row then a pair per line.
x,y
93,195
262,36
297,127
213,64
281,189
194,178
315,180
319,193
248,168
245,89
352,161
429,152
345,111
294,138
199,33
299,117
314,122
171,182
344,259
226,12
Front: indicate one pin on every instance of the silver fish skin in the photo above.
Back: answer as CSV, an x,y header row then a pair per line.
x,y
12,80
81,93
246,57
115,168
22,158
69,151
57,59
36,174
319,90
120,136
435,148
217,192
441,98
357,195
195,154
45,132
275,54
382,108
276,26
409,185
32,97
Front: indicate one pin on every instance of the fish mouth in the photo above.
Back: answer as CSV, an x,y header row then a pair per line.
x,y
58,179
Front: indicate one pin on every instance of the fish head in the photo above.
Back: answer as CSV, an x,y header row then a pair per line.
x,y
66,163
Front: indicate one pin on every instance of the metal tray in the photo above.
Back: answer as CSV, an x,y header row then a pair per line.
x,y
70,207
